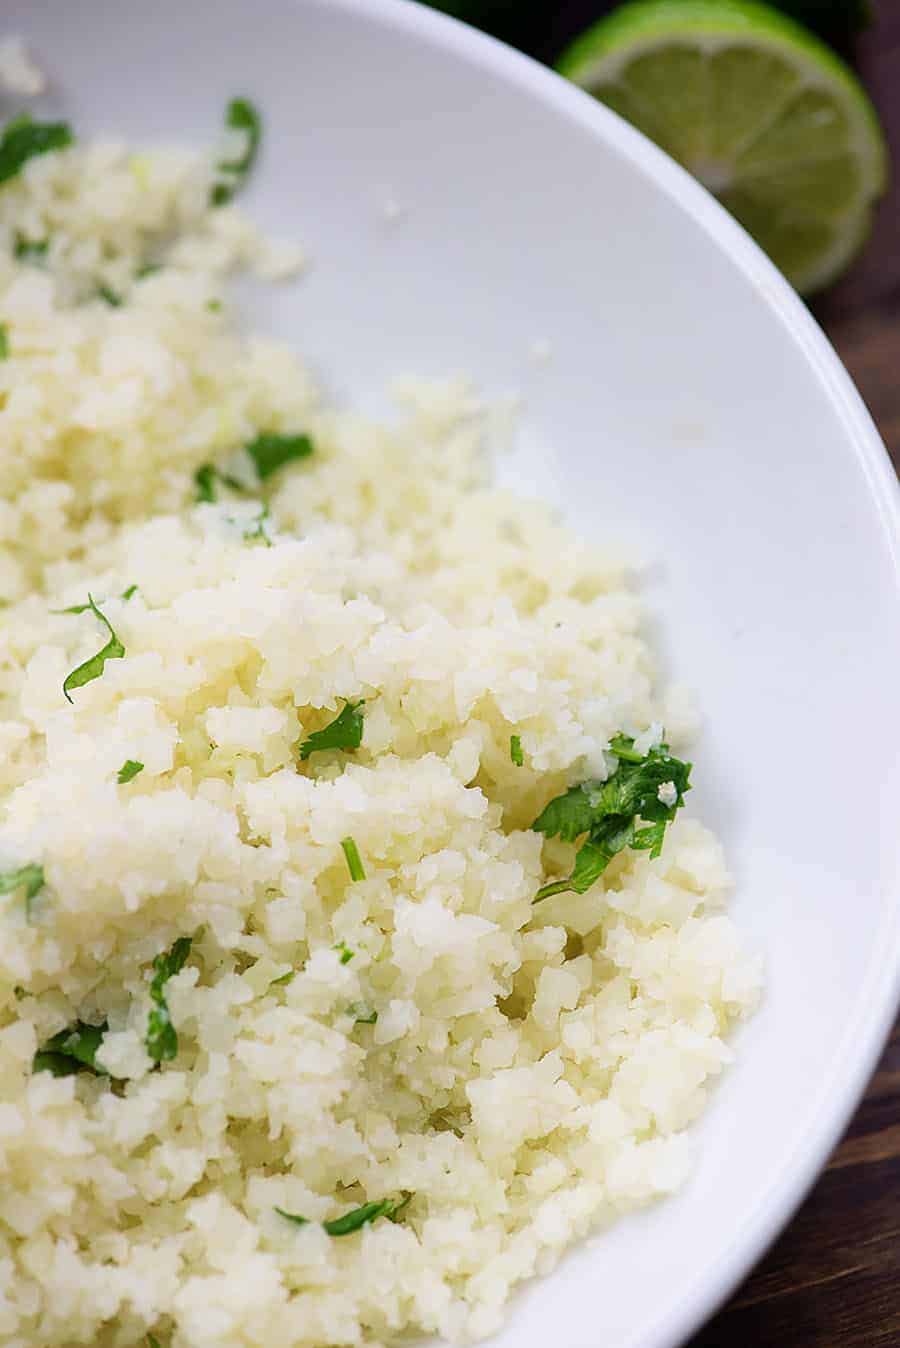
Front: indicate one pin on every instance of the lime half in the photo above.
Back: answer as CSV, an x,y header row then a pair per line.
x,y
762,112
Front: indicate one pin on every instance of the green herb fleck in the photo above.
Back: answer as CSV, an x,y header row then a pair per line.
x,y
24,248
608,812
72,1050
354,863
257,531
105,292
22,139
128,771
83,608
357,1217
362,1014
344,732
30,878
270,451
162,1040
92,669
148,269
346,953
152,1341
4,341
240,115
19,992
205,482
515,750
293,1217
214,306
284,979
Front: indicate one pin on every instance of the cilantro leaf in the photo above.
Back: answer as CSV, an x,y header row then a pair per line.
x,y
346,953
566,816
270,451
344,732
240,115
256,531
4,341
354,863
205,482
292,1217
128,771
72,1050
362,1014
22,139
357,1217
608,812
92,669
83,608
284,979
515,750
30,878
24,248
153,1341
162,1040
113,299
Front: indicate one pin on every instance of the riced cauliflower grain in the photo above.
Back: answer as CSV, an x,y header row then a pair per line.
x,y
526,1073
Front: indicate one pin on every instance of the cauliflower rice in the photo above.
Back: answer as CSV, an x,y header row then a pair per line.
x,y
532,1070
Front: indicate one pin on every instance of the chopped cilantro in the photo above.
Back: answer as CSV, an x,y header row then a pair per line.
x,y
357,1217
30,878
105,292
83,608
72,1050
270,451
608,812
354,863
214,306
22,139
257,532
362,1015
346,953
240,115
292,1217
162,1040
4,341
344,732
515,750
153,1341
205,482
128,771
148,269
24,248
92,669
284,979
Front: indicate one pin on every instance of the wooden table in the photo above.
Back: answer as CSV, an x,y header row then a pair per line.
x,y
833,1279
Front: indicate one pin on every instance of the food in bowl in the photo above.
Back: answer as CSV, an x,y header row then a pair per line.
x,y
359,956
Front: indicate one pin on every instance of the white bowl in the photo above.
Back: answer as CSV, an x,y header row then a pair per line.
x,y
690,404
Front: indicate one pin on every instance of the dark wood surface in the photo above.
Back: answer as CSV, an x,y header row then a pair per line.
x,y
833,1279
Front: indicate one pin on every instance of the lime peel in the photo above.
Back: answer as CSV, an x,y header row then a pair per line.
x,y
766,116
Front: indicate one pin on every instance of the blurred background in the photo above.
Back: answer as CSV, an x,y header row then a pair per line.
x,y
833,1280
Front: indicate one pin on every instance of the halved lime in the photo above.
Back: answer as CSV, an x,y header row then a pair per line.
x,y
762,112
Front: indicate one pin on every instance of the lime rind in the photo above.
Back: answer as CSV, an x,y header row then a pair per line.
x,y
643,59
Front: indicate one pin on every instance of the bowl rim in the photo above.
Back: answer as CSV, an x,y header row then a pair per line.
x,y
869,1028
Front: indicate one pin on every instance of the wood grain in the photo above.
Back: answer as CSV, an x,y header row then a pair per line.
x,y
833,1279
